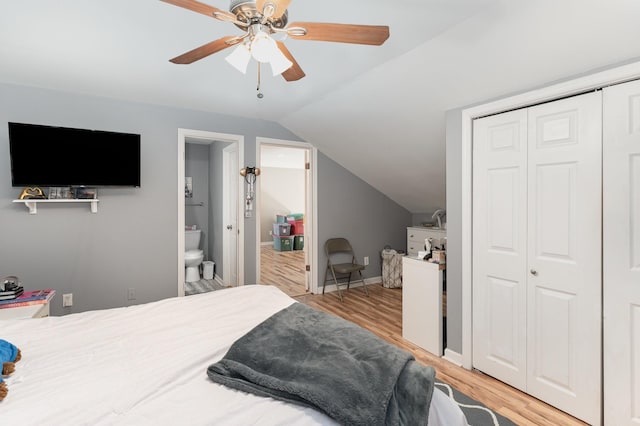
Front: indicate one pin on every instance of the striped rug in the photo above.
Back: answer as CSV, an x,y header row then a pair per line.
x,y
202,286
476,413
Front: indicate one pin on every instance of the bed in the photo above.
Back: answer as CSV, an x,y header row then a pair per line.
x,y
147,365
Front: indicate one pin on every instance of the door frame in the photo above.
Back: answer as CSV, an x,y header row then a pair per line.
x,y
571,87
183,134
311,207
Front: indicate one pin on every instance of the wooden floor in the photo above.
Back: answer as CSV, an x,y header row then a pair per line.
x,y
381,313
283,269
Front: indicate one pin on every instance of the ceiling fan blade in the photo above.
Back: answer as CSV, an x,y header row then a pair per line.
x,y
205,9
294,72
279,6
341,33
206,50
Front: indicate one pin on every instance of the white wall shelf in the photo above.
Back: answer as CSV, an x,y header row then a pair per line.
x,y
32,204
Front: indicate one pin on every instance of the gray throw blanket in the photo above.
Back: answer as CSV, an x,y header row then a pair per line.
x,y
308,357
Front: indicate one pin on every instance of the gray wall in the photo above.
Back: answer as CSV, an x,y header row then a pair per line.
x,y
132,240
454,230
196,165
349,207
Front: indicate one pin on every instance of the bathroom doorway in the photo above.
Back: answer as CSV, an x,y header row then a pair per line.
x,y
286,187
218,204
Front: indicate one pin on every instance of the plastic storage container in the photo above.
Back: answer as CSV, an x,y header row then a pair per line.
x,y
283,243
207,269
298,242
280,218
281,229
296,220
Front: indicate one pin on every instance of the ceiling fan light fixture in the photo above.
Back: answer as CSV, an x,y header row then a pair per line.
x,y
263,47
280,63
240,58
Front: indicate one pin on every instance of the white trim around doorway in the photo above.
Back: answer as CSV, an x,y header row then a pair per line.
x,y
183,135
311,213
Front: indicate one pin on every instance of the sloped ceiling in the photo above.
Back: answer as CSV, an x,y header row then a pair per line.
x,y
378,111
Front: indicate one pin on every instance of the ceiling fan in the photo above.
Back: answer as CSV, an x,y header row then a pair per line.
x,y
260,19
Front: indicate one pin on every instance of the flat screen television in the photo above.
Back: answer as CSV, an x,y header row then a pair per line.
x,y
49,156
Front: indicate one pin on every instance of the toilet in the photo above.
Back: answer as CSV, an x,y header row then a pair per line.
x,y
192,255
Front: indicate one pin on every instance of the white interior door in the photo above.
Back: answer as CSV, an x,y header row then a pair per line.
x,y
621,235
230,215
537,252
564,254
500,246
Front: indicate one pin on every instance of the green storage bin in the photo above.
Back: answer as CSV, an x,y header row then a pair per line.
x,y
283,243
298,242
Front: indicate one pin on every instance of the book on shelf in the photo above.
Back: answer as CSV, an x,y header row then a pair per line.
x,y
11,294
32,297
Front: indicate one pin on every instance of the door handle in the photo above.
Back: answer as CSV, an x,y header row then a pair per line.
x,y
534,272
229,227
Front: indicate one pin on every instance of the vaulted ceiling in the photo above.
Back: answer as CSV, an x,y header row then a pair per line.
x,y
379,111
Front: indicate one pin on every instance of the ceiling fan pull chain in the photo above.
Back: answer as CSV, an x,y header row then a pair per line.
x,y
260,95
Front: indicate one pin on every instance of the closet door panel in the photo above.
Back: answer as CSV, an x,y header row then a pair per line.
x,y
499,221
564,266
621,242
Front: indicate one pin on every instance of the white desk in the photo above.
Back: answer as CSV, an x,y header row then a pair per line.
x,y
422,304
25,312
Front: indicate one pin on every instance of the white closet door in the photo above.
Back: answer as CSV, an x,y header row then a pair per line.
x,y
564,254
537,230
499,246
621,210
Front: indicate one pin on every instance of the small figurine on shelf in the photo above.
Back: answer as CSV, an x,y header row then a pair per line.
x,y
32,192
427,246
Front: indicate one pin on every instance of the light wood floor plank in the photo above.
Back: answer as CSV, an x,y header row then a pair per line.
x,y
381,313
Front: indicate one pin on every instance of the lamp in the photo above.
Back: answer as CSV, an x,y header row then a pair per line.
x,y
240,58
279,62
263,49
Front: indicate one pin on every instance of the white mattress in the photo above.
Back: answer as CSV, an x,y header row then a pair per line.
x,y
146,365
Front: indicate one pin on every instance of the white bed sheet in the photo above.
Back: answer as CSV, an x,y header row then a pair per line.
x,y
146,365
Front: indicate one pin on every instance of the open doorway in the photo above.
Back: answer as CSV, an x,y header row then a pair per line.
x,y
286,196
217,205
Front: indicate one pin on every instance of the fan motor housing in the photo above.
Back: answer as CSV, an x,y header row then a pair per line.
x,y
246,11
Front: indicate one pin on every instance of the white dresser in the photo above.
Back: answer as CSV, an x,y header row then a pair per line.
x,y
417,234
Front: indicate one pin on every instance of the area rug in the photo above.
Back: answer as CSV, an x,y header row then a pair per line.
x,y
477,414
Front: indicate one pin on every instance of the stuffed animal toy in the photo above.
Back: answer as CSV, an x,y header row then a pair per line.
x,y
9,355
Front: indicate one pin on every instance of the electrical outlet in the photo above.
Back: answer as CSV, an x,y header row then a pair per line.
x,y
67,300
131,294
366,260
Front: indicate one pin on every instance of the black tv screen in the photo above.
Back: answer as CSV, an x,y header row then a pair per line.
x,y
61,156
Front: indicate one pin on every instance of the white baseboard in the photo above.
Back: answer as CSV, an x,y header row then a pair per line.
x,y
453,357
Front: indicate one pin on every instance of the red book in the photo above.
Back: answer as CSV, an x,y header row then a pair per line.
x,y
27,298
